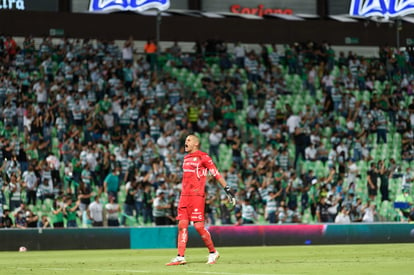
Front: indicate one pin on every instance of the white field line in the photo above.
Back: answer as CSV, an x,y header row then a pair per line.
x,y
86,269
140,271
229,273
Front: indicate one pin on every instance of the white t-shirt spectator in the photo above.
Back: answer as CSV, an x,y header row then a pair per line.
x,y
215,138
96,211
292,122
342,218
310,153
112,211
368,214
352,173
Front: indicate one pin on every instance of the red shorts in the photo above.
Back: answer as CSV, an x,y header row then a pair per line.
x,y
191,208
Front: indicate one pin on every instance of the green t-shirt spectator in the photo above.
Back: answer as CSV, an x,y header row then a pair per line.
x,y
228,112
70,216
105,105
57,218
76,164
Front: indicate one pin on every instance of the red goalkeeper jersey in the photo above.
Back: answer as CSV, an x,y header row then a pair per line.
x,y
196,167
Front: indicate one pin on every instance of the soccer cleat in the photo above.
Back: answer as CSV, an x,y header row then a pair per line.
x,y
213,257
179,260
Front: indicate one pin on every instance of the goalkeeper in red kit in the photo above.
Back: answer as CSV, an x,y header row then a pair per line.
x,y
196,167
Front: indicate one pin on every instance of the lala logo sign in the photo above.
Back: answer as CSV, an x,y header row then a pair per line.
x,y
383,8
127,5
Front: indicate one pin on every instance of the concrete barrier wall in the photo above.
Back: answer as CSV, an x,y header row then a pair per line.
x,y
166,237
188,28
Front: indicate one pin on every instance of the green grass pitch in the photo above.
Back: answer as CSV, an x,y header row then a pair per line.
x,y
333,259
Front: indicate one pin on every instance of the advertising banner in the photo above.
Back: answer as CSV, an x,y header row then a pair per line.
x,y
131,5
261,7
29,5
381,8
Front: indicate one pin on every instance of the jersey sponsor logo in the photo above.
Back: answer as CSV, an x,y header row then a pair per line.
x,y
197,217
189,170
127,5
382,8
204,172
196,214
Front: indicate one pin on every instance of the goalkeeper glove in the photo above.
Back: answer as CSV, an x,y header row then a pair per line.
x,y
230,195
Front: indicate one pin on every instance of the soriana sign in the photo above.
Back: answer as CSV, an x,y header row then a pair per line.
x,y
262,7
260,10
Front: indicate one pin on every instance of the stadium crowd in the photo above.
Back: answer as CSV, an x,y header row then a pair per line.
x,y
92,133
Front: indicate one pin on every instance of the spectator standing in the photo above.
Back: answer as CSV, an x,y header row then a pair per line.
x,y
352,174
95,212
58,214
311,80
111,183
150,49
112,212
271,206
160,208
380,123
248,213
15,189
252,67
84,196
372,185
407,179
322,212
30,182
45,190
129,203
215,139
384,174
70,212
369,212
301,142
139,201
128,51
148,202
274,56
239,54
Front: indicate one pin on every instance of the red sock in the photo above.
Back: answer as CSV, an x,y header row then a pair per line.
x,y
182,236
205,236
